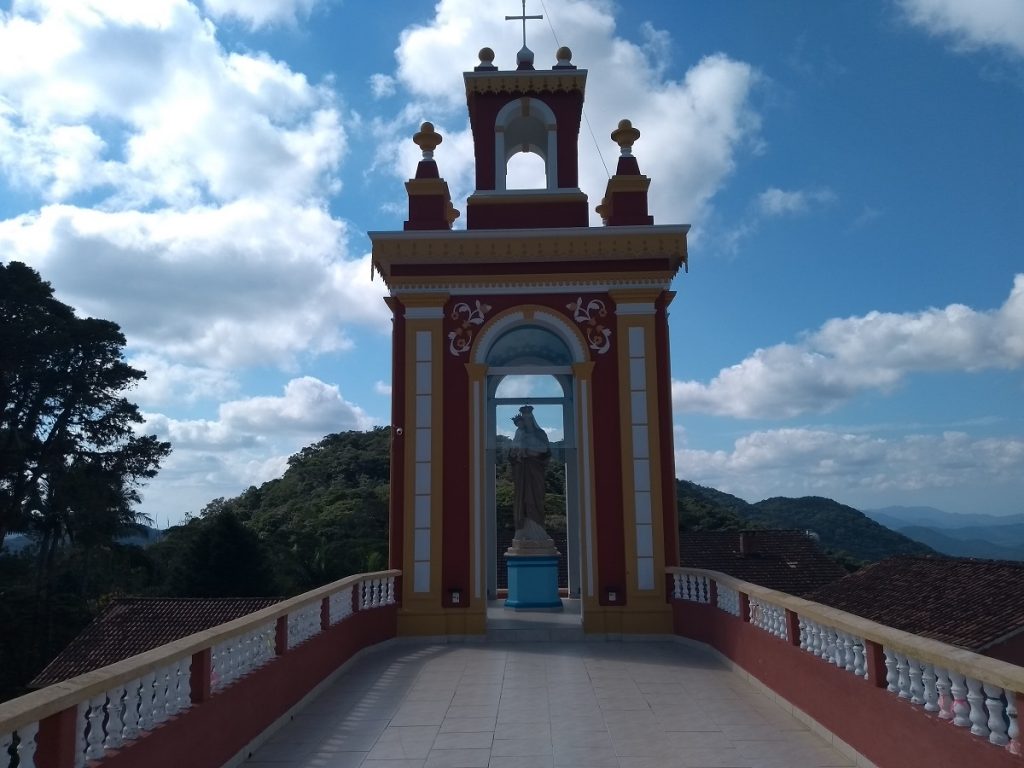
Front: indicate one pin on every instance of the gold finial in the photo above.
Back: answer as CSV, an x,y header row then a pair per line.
x,y
625,135
427,139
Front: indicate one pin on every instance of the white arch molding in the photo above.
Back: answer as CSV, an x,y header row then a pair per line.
x,y
525,123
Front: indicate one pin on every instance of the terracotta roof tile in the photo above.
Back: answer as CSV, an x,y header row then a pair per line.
x,y
133,625
789,561
961,601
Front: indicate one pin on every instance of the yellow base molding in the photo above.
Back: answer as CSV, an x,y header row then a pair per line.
x,y
624,621
441,622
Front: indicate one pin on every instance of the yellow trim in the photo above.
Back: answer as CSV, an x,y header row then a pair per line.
x,y
583,373
531,197
477,373
427,187
503,81
591,245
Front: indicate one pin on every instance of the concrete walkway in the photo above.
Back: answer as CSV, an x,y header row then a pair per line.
x,y
650,704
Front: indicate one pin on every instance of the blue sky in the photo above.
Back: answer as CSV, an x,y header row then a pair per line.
x,y
852,324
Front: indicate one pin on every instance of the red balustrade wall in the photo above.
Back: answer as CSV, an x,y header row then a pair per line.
x,y
887,730
212,732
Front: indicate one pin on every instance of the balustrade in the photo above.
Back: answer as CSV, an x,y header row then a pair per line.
x,y
967,701
728,599
303,624
130,708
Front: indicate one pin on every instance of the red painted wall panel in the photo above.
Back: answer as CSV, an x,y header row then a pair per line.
x,y
887,730
212,732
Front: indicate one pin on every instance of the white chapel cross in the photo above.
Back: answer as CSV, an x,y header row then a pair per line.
x,y
524,17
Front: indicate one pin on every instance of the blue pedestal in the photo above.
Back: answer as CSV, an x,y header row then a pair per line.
x,y
532,581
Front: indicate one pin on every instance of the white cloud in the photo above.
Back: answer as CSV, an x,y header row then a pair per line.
x,y
248,283
248,443
168,382
779,202
382,388
308,406
382,85
139,101
798,462
971,23
261,13
692,128
848,356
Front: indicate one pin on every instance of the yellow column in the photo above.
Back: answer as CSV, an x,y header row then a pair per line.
x,y
640,425
421,611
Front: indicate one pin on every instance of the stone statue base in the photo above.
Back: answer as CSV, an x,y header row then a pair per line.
x,y
531,539
532,581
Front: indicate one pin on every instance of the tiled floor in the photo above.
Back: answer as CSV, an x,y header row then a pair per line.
x,y
630,704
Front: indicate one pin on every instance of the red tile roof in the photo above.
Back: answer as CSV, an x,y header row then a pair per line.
x,y
961,601
133,625
789,561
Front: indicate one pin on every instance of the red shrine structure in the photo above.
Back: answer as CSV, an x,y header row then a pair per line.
x,y
530,288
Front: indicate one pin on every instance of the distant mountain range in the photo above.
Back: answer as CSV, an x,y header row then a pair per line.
x,y
999,537
16,542
841,530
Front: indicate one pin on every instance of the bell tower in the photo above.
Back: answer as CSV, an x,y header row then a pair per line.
x,y
529,288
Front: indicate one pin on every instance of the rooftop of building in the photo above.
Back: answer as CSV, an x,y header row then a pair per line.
x,y
969,603
786,560
131,625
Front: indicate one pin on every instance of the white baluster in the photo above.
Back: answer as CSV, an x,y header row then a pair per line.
x,y
6,742
1013,727
931,696
146,709
160,697
27,745
996,723
391,590
891,675
81,724
814,641
677,586
976,700
131,711
945,700
95,737
903,681
115,718
916,686
859,667
184,672
961,708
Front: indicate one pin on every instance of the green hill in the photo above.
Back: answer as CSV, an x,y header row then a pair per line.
x,y
840,529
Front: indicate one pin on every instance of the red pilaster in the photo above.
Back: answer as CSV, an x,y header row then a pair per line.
x,y
281,636
875,658
200,675
793,627
325,613
744,606
56,740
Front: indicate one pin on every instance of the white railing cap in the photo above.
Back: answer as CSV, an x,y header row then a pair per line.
x,y
984,668
40,704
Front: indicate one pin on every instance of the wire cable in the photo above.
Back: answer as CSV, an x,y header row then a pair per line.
x,y
590,128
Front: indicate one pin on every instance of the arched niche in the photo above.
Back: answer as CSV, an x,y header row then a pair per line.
x,y
536,343
525,125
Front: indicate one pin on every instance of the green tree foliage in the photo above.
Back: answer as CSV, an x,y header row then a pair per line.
x,y
325,518
70,461
214,556
70,468
843,530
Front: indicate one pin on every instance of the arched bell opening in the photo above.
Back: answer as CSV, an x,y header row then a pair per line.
x,y
525,125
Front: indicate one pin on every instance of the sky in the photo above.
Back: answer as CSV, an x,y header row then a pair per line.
x,y
852,323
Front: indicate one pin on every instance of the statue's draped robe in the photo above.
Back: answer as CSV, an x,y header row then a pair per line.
x,y
529,457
